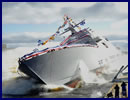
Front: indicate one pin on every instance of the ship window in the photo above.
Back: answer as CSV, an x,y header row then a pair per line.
x,y
97,39
106,39
104,44
80,38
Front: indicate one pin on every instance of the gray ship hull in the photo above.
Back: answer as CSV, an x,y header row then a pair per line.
x,y
62,66
56,67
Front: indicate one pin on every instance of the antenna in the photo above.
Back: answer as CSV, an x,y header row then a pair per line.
x,y
67,29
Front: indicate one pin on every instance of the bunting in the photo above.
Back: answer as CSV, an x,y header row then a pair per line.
x,y
82,23
74,23
66,20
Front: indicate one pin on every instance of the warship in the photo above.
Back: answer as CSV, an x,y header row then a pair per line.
x,y
61,64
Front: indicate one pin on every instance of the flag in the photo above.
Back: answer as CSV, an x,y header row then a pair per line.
x,y
52,38
44,42
39,42
82,23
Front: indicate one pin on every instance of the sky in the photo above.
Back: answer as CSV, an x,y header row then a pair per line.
x,y
27,22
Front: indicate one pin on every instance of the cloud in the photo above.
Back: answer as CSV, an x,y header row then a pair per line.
x,y
109,31
98,11
33,37
73,4
29,13
43,13
119,24
122,6
26,37
49,12
117,37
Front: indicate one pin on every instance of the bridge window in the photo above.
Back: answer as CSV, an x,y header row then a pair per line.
x,y
104,44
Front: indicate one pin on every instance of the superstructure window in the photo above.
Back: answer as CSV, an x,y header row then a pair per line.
x,y
80,38
104,44
97,39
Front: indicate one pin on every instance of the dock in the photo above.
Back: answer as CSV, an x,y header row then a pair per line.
x,y
119,88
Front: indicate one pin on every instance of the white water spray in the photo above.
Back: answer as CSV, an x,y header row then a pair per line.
x,y
12,83
90,77
10,65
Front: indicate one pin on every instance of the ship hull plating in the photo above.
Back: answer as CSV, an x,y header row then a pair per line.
x,y
62,66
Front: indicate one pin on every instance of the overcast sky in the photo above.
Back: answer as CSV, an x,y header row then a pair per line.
x,y
26,22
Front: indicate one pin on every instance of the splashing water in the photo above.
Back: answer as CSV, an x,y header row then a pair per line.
x,y
10,59
110,69
96,94
12,82
90,77
17,85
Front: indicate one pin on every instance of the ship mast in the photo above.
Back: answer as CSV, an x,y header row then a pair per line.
x,y
71,27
